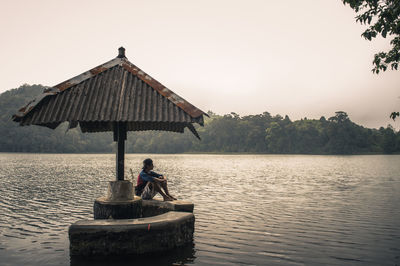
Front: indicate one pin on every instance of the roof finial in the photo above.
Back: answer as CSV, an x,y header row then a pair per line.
x,y
121,52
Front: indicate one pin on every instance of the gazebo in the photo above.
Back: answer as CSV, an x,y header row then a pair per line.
x,y
115,96
118,96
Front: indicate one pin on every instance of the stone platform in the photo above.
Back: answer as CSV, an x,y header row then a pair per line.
x,y
131,236
125,224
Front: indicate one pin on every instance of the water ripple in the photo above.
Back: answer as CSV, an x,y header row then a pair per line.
x,y
250,209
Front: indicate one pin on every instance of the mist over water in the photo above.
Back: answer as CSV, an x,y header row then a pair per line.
x,y
249,209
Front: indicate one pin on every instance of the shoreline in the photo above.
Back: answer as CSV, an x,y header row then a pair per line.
x,y
209,153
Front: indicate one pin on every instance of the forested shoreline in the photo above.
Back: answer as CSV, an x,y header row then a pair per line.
x,y
230,133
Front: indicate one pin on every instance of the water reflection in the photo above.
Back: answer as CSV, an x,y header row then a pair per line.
x,y
180,256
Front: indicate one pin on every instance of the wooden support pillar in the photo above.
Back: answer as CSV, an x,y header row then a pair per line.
x,y
120,137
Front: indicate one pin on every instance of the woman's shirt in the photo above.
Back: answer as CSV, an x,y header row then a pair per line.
x,y
149,177
142,180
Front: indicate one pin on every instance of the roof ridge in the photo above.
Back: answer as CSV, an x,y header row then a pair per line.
x,y
164,91
84,76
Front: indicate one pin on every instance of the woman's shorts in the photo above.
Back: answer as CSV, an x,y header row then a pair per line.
x,y
148,192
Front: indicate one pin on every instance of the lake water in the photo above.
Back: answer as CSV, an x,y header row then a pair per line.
x,y
249,209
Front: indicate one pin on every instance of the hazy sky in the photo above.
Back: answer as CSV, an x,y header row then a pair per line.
x,y
302,58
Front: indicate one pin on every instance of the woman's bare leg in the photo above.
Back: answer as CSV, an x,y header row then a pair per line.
x,y
165,187
157,188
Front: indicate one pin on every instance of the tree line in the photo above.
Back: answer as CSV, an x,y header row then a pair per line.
x,y
261,133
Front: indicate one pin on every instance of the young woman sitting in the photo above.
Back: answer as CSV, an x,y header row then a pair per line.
x,y
150,183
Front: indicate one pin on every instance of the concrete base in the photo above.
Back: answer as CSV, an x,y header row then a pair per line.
x,y
120,202
128,209
131,236
120,190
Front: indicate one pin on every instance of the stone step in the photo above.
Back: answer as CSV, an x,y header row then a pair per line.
x,y
156,207
131,236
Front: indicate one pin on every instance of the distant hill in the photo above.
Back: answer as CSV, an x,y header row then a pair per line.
x,y
261,133
15,138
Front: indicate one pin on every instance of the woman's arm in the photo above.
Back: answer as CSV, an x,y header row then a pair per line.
x,y
159,179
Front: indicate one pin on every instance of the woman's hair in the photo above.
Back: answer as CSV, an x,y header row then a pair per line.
x,y
147,162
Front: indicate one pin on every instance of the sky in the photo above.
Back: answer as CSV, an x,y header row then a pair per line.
x,y
301,58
